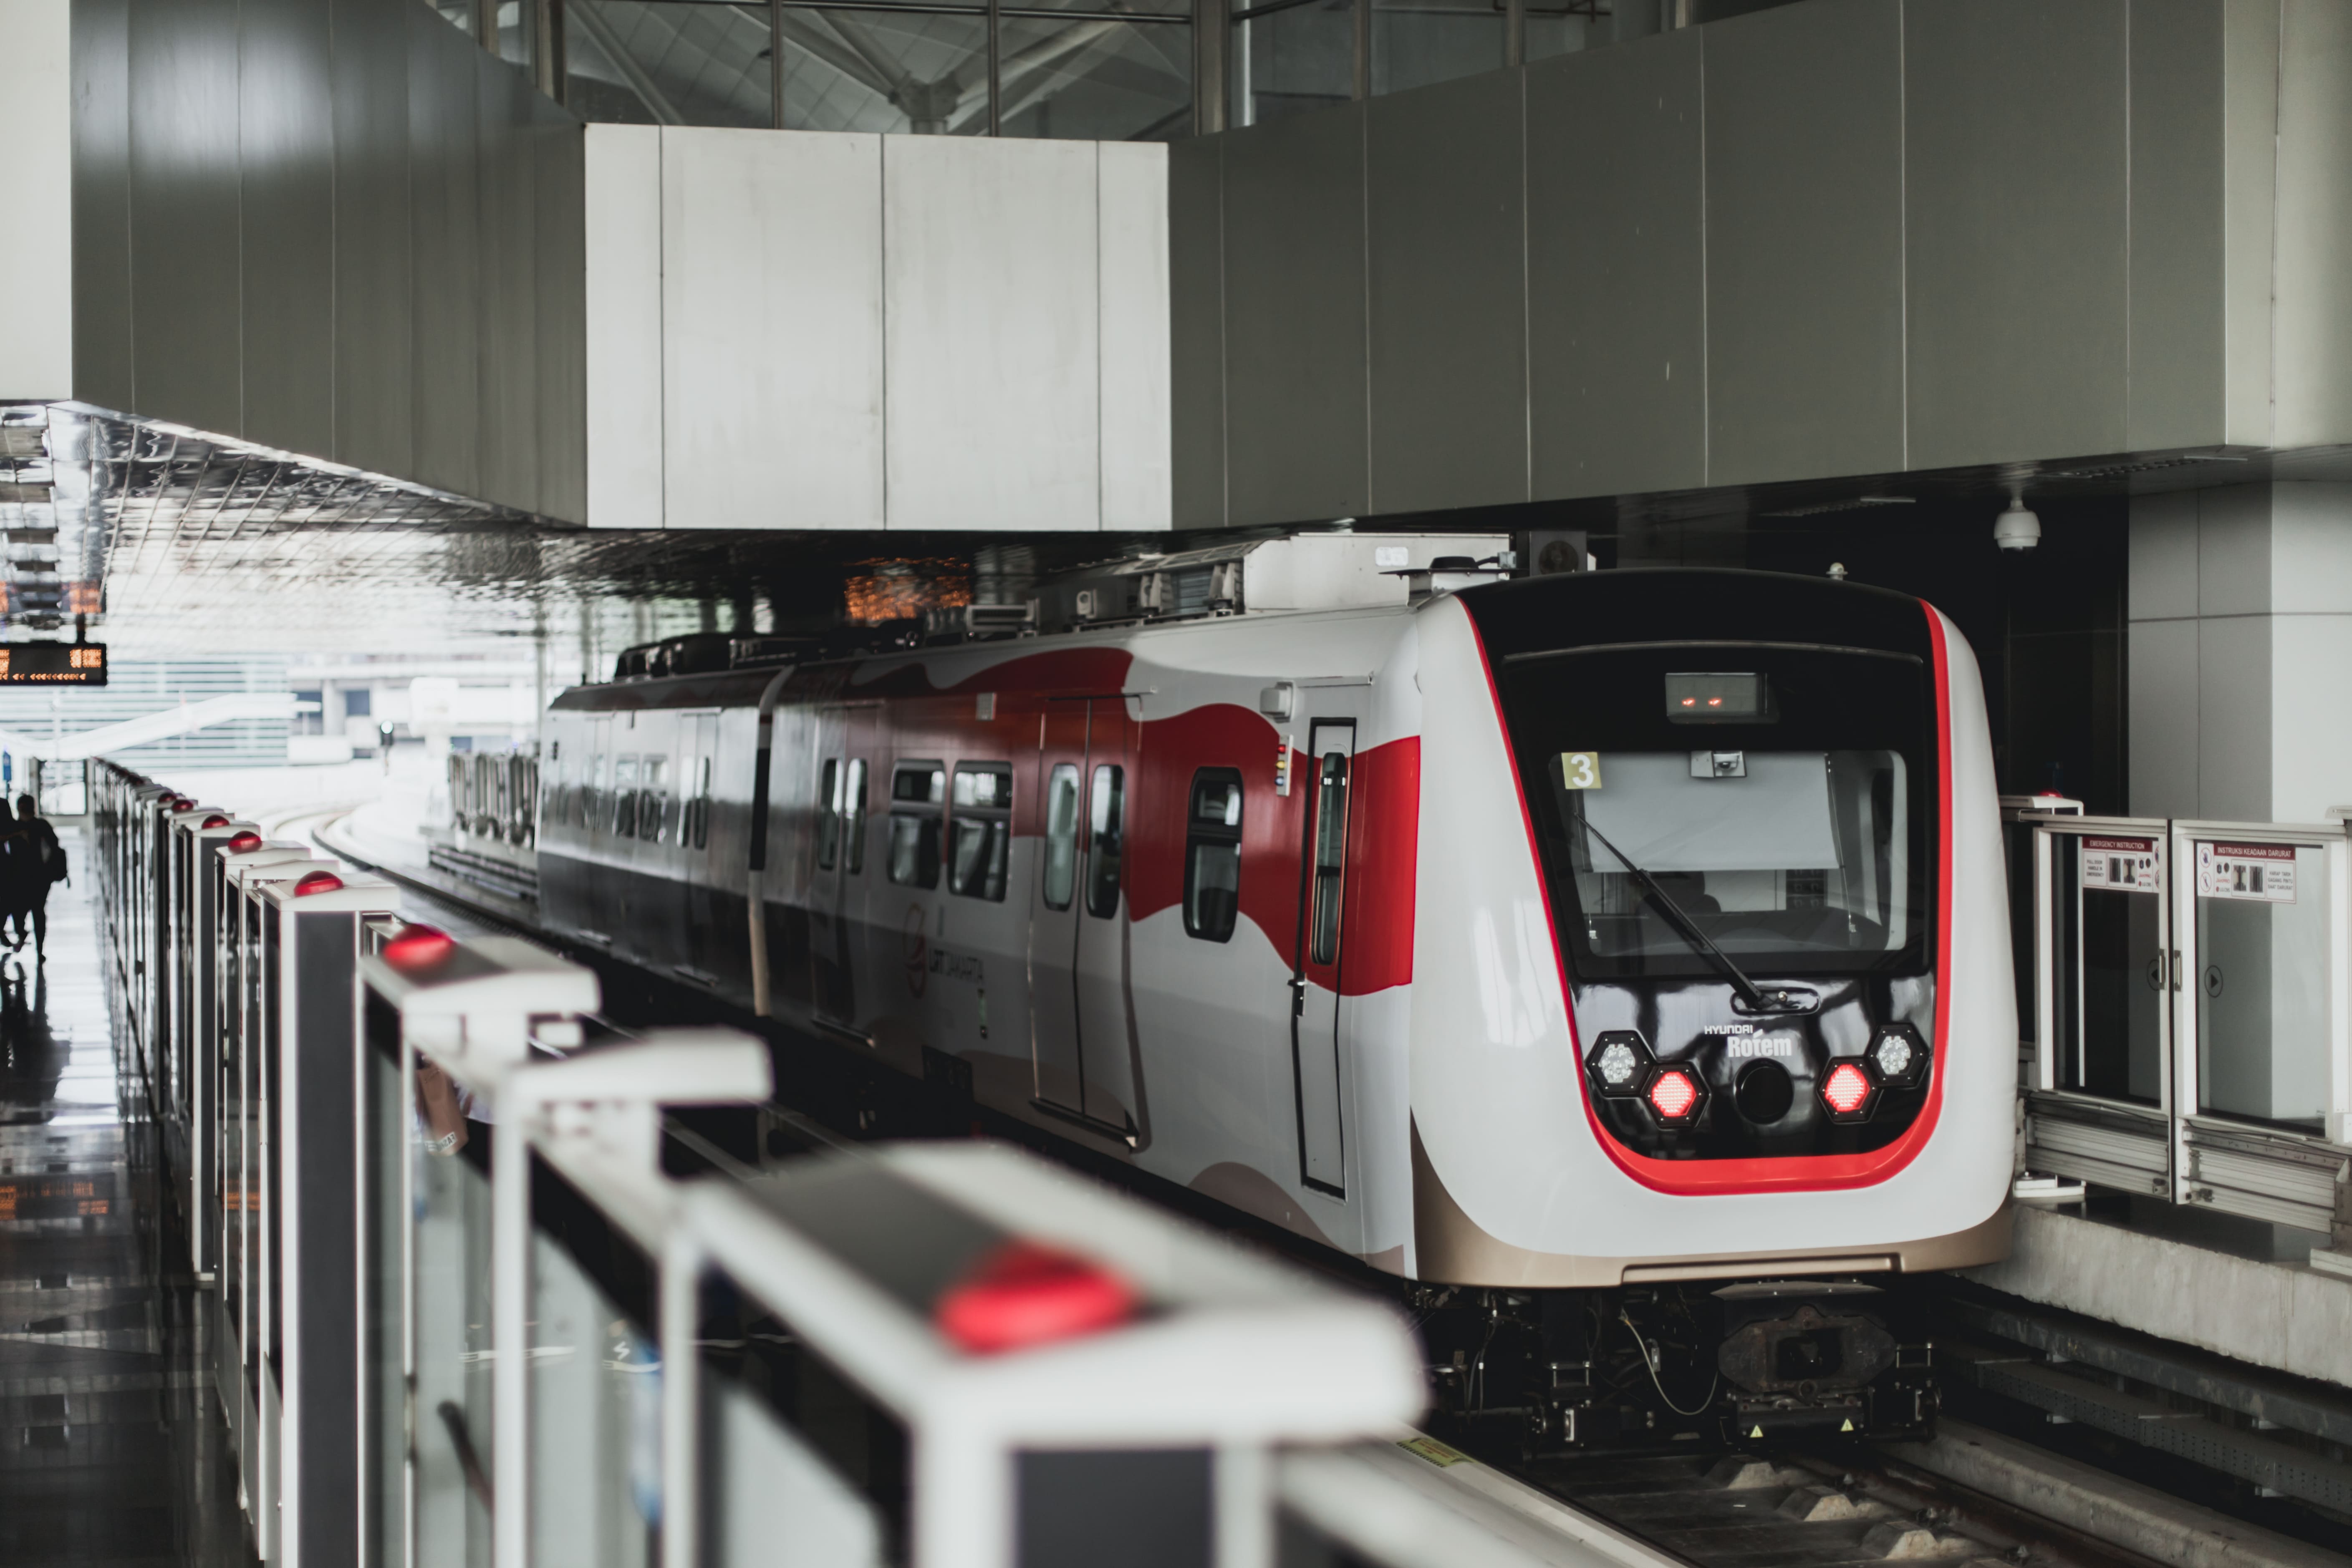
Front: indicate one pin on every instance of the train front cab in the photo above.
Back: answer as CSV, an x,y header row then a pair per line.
x,y
1732,1033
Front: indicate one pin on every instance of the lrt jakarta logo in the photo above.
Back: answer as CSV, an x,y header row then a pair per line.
x,y
915,951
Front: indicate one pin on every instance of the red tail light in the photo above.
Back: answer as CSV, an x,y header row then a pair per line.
x,y
1848,1092
1673,1094
419,947
317,882
243,841
216,820
1025,1294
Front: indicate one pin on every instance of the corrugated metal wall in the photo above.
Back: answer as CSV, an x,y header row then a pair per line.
x,y
1835,238
334,227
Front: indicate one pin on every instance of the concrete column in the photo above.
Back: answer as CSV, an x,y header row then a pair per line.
x,y
2241,653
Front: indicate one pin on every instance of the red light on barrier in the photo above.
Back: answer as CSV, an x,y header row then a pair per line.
x,y
1673,1094
317,882
243,841
214,820
1847,1088
1026,1294
419,947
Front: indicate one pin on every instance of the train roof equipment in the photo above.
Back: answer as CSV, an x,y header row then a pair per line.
x,y
1331,570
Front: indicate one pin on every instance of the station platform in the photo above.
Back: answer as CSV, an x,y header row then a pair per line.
x,y
107,1452
2236,1286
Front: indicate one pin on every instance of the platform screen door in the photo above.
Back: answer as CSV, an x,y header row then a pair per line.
x,y
1326,775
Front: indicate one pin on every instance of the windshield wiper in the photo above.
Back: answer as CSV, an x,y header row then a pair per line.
x,y
1758,1000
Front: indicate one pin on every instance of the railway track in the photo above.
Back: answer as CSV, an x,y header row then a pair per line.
x,y
1784,1505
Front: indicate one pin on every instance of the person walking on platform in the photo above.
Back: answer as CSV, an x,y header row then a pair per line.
x,y
31,862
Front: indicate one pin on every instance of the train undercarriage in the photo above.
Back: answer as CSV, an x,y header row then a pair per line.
x,y
1555,1371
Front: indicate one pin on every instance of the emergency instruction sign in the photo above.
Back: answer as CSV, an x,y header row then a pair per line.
x,y
2119,864
2262,872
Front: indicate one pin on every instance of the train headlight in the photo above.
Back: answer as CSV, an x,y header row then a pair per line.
x,y
1676,1096
1899,1055
1619,1063
1848,1093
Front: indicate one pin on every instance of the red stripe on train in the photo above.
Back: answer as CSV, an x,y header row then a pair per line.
x,y
1383,831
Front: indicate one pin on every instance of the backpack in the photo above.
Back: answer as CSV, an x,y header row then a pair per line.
x,y
53,857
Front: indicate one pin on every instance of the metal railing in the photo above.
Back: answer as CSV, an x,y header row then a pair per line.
x,y
2190,1010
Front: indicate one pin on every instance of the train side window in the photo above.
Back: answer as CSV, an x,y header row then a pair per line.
x,y
551,784
624,797
1061,835
828,816
1213,855
853,816
700,810
593,780
653,802
1107,820
917,790
1330,856
983,824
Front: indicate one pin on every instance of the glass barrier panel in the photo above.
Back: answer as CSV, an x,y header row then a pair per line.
x,y
1092,80
649,62
798,1465
1291,57
390,1141
596,1386
249,1138
1564,27
229,1175
2110,917
1418,42
451,1247
270,1185
885,71
219,1058
2017,840
2263,969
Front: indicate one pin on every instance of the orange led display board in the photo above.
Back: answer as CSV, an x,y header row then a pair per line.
x,y
52,664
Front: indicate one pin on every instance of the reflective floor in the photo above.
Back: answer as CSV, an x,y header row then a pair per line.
x,y
109,1450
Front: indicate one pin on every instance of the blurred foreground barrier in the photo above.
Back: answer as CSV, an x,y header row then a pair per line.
x,y
480,1302
943,1354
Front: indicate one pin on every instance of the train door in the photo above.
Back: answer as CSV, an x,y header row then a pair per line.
x,y
1326,775
846,736
1053,911
1112,1093
1078,947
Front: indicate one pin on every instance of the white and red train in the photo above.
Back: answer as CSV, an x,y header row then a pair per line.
x,y
1590,948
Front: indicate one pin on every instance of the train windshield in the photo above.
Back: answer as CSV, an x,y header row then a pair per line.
x,y
1779,801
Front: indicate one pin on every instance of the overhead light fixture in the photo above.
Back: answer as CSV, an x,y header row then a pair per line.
x,y
2017,529
2121,471
1851,503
